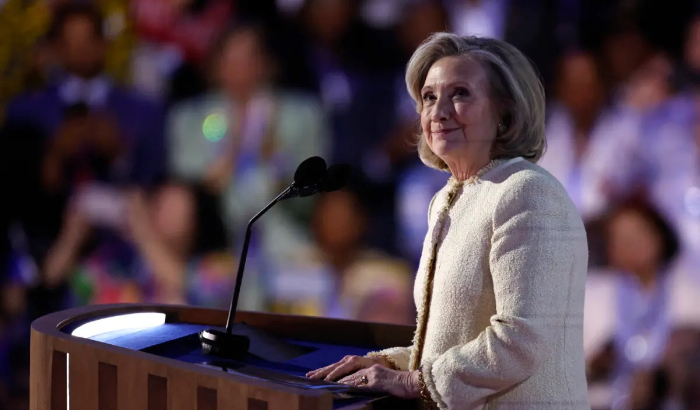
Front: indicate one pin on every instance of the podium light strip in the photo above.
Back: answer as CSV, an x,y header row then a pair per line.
x,y
121,322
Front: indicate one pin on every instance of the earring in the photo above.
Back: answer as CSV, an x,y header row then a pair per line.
x,y
502,128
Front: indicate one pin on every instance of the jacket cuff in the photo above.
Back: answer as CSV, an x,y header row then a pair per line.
x,y
392,362
430,384
395,355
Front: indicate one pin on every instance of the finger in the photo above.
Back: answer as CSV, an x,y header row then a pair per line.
x,y
322,372
343,369
352,380
356,380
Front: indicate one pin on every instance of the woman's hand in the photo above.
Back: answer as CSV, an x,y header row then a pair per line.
x,y
104,136
348,365
65,250
401,384
137,224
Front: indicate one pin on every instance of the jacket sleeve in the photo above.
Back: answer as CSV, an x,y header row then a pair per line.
x,y
536,240
398,356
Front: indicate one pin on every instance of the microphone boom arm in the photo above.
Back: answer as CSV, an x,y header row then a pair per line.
x,y
244,254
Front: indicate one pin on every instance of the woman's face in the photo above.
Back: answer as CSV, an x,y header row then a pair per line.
x,y
339,224
241,64
579,87
457,116
173,214
634,243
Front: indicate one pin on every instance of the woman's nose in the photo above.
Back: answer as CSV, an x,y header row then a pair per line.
x,y
442,111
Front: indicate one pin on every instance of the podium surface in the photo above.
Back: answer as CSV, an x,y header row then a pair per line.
x,y
133,356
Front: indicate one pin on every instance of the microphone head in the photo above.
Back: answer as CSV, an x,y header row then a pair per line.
x,y
337,176
310,171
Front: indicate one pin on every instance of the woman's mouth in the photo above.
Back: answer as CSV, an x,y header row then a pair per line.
x,y
443,132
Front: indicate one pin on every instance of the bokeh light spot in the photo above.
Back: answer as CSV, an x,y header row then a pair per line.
x,y
214,127
636,348
692,201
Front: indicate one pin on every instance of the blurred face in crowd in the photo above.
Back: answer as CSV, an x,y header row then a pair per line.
x,y
624,52
339,223
420,21
691,49
80,48
634,243
329,19
386,306
242,65
579,87
458,119
173,215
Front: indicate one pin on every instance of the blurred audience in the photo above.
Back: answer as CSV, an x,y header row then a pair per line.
x,y
628,329
253,87
174,41
340,277
530,25
81,128
178,253
85,116
588,136
244,140
666,157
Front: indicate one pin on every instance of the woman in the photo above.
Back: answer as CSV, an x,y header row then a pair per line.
x,y
500,286
628,311
181,239
244,140
176,251
339,276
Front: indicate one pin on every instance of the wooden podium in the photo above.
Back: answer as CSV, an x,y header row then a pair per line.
x,y
83,373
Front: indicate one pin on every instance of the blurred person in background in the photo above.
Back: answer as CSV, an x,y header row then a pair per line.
x,y
355,66
588,136
180,251
635,42
174,38
180,235
628,321
24,24
530,25
84,110
340,276
666,160
681,367
82,128
244,140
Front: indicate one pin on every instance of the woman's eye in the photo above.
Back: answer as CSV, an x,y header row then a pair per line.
x,y
428,97
461,92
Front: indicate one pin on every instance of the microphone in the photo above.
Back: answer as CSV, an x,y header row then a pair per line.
x,y
310,171
310,177
336,177
306,178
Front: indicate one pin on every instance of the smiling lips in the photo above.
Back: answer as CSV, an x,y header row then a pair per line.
x,y
443,132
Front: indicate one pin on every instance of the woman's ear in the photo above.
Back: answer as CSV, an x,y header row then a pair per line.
x,y
504,123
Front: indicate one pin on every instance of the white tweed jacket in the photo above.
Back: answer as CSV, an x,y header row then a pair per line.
x,y
505,327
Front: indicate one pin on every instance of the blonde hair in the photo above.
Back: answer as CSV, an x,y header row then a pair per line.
x,y
515,88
